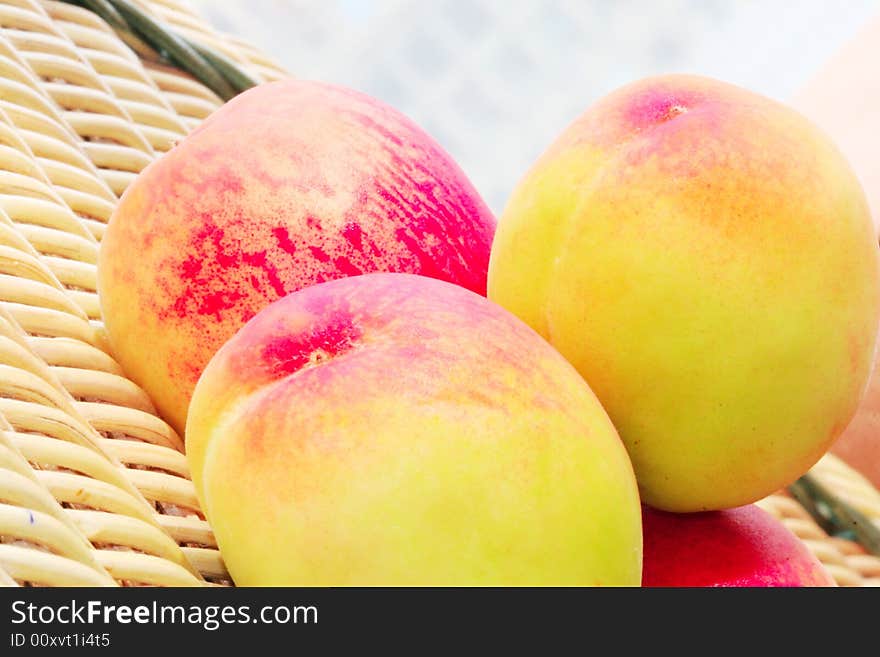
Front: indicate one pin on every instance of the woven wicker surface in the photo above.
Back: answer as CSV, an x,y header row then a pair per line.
x,y
94,487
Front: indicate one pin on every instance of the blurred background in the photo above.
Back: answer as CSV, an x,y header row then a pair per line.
x,y
494,81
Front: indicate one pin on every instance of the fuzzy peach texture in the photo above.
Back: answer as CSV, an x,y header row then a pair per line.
x,y
289,184
392,429
859,444
744,546
705,258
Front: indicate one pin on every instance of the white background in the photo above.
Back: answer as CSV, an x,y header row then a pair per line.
x,y
495,81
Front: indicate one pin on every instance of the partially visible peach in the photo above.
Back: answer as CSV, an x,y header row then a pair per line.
x,y
745,546
843,98
289,184
859,444
392,429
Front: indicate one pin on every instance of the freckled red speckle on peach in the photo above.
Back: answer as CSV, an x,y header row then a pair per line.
x,y
184,370
375,126
354,235
319,253
206,285
190,268
289,185
344,265
283,237
215,303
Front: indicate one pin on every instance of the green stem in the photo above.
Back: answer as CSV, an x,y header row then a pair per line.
x,y
173,48
236,76
834,515
217,72
106,11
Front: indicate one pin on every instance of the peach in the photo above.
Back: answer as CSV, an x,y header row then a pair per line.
x,y
392,429
744,546
289,184
843,98
705,258
859,444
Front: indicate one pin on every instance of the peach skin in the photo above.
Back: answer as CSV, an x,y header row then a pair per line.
x,y
291,183
705,258
843,98
742,547
392,429
859,444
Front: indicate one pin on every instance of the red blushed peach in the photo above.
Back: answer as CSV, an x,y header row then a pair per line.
x,y
290,184
392,429
745,546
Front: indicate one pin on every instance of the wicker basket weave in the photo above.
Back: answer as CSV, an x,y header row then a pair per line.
x,y
94,487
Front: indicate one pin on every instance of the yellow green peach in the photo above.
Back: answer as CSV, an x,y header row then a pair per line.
x,y
392,429
705,258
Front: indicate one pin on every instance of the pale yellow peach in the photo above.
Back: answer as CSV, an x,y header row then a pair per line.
x,y
705,258
392,429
